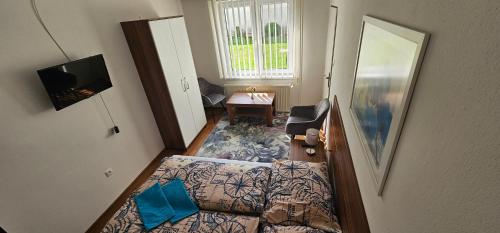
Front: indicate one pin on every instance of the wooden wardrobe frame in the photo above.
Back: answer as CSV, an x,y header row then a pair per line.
x,y
147,61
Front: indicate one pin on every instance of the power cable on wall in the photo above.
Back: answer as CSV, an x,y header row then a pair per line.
x,y
115,127
40,20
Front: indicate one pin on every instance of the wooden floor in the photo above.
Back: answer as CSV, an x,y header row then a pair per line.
x,y
213,116
297,152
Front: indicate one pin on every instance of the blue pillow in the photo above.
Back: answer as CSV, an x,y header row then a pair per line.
x,y
183,206
154,208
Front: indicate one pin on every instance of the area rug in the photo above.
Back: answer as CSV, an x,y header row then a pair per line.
x,y
248,139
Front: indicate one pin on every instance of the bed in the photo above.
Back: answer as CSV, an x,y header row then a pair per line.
x,y
250,216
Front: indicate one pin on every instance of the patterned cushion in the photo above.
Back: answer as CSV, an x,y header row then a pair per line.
x,y
289,229
300,194
217,186
127,220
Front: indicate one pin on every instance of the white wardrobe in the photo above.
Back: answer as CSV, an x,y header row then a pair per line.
x,y
163,58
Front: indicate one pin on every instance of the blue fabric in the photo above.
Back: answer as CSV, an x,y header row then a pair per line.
x,y
176,193
154,208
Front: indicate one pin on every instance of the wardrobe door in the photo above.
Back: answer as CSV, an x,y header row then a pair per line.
x,y
181,40
165,47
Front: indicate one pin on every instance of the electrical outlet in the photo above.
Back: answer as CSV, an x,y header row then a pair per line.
x,y
108,172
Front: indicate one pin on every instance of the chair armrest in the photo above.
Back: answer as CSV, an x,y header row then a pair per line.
x,y
302,122
206,100
305,124
302,110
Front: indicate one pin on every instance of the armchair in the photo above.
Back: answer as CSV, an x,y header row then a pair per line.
x,y
211,94
305,117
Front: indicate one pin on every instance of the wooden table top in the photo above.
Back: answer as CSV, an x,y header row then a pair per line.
x,y
298,152
240,98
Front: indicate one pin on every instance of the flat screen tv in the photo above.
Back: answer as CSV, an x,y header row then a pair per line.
x,y
74,81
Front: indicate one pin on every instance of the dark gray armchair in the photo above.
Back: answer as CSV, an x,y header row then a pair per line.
x,y
211,94
305,117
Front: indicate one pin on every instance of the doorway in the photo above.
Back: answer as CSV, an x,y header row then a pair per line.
x,y
330,48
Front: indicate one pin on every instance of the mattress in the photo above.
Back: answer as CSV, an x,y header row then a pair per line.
x,y
210,183
239,162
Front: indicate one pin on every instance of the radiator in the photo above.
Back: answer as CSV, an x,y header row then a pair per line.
x,y
282,94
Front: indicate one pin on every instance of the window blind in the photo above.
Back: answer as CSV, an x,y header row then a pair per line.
x,y
254,38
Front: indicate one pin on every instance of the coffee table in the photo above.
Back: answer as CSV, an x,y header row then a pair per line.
x,y
242,104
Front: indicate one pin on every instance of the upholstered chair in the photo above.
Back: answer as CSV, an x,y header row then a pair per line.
x,y
305,117
211,94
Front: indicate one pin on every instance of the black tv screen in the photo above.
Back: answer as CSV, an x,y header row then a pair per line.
x,y
71,82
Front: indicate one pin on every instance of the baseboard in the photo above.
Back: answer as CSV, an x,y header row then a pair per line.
x,y
99,224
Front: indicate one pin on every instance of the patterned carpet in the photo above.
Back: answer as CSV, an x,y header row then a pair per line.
x,y
248,139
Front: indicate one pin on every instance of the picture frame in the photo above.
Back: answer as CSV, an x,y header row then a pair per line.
x,y
388,62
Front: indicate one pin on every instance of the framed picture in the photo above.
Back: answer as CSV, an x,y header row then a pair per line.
x,y
389,57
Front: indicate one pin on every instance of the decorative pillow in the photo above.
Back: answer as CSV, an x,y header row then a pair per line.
x,y
289,229
299,194
237,188
127,220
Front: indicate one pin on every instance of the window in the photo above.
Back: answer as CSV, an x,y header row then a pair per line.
x,y
254,38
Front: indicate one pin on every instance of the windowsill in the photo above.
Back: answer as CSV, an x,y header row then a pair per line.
x,y
277,76
259,79
258,82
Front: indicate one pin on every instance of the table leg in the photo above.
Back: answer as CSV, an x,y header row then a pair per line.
x,y
230,113
269,116
274,107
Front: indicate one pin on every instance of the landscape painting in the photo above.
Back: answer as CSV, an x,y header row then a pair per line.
x,y
388,58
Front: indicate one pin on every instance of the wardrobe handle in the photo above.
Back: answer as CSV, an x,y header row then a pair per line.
x,y
183,85
187,83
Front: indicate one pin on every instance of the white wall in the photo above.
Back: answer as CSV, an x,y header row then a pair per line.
x,y
52,163
201,39
314,42
445,173
315,26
